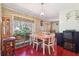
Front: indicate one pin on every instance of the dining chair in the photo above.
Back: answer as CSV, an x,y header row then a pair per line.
x,y
35,41
48,41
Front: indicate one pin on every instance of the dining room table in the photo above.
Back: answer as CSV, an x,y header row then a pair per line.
x,y
44,37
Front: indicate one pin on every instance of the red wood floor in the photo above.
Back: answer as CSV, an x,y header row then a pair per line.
x,y
29,51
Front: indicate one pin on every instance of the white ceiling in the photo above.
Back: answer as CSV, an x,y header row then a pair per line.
x,y
51,9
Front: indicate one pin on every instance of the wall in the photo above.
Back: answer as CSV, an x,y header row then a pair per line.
x,y
55,26
0,29
44,28
68,24
37,25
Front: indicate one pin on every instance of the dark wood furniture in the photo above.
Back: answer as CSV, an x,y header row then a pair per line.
x,y
8,47
71,40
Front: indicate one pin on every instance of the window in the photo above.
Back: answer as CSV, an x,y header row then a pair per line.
x,y
21,22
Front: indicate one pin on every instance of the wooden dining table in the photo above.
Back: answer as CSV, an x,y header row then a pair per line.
x,y
43,37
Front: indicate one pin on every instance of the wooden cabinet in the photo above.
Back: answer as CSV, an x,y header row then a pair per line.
x,y
5,27
5,33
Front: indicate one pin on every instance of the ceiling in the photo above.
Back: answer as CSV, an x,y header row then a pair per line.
x,y
51,9
47,8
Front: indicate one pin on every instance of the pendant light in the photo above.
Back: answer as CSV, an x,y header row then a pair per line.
x,y
42,10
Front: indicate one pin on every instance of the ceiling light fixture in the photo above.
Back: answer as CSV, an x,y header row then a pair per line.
x,y
42,8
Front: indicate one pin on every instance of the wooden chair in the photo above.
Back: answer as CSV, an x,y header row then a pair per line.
x,y
35,41
49,42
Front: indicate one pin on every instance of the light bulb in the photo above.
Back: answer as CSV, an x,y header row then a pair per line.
x,y
42,14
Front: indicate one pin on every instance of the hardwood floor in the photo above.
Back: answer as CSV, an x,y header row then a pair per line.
x,y
29,51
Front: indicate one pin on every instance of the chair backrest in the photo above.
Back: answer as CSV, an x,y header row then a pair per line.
x,y
52,38
33,36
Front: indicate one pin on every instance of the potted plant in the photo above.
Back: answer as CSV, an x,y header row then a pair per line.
x,y
22,33
18,35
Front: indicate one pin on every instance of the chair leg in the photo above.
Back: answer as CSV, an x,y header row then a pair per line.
x,y
53,48
55,52
36,47
33,45
30,41
43,49
49,49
